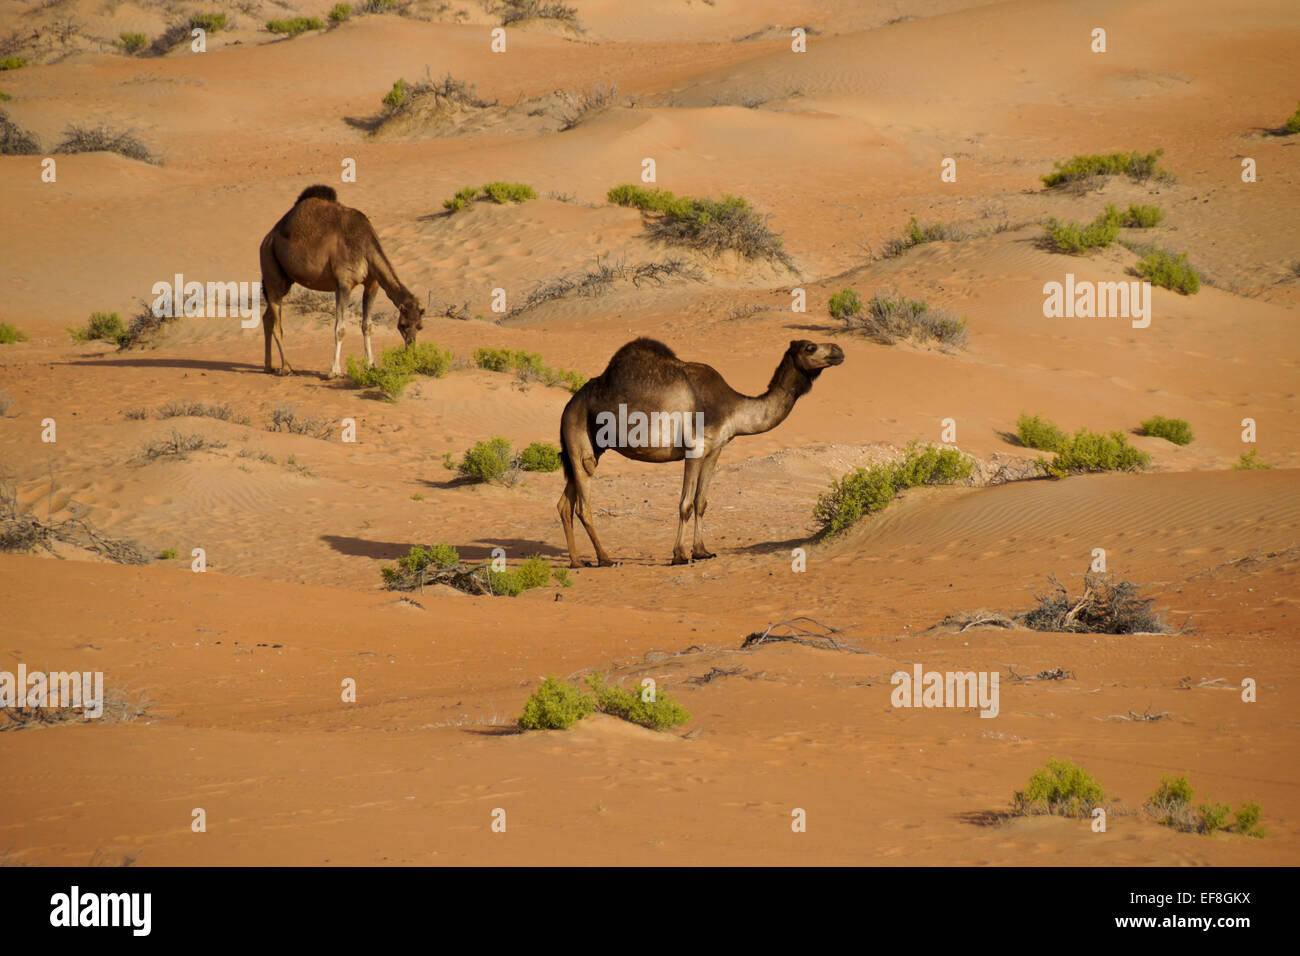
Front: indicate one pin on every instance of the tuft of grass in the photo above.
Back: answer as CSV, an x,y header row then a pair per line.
x,y
914,234
520,11
586,103
662,713
10,334
293,26
865,491
208,22
131,42
340,12
286,419
708,225
1169,270
528,367
488,460
1249,461
1061,788
101,139
16,141
397,367
167,555
1035,432
1135,165
101,326
12,63
890,319
1171,429
555,705
176,445
224,412
540,456
497,192
1104,607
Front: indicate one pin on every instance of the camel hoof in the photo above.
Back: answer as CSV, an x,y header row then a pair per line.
x,y
283,371
680,559
703,555
606,563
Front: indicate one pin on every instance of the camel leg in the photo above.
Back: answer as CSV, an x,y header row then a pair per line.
x,y
565,506
690,481
273,328
367,298
699,552
583,491
340,316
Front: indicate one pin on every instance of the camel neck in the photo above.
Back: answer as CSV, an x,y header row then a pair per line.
x,y
766,411
387,278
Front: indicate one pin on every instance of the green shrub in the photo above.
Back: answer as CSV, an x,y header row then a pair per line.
x,y
555,705
1169,270
1247,818
1249,461
914,234
1139,166
889,319
380,6
1292,124
340,12
293,26
709,225
1142,217
5,97
845,304
1171,805
660,714
532,573
397,97
167,555
1076,238
10,334
502,193
131,42
528,367
458,201
1061,788
1171,429
1089,451
439,557
488,460
105,326
865,491
398,366
209,22
1039,433
12,62
540,456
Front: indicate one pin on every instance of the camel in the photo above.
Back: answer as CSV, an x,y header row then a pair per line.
x,y
649,405
323,245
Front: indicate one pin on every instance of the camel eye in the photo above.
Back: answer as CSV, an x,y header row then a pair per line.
x,y
810,348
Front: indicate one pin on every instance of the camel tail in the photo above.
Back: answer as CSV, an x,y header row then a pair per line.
x,y
565,460
317,192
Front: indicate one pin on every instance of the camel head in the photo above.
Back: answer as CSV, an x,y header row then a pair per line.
x,y
812,357
410,319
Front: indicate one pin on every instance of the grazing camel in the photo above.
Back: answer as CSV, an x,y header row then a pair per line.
x,y
323,245
649,405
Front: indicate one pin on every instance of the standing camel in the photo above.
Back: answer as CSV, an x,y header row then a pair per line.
x,y
649,405
323,245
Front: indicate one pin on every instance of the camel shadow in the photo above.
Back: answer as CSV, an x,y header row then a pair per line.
x,y
983,818
199,364
482,551
773,547
810,327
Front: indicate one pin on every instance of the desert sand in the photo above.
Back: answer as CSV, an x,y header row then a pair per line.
x,y
838,146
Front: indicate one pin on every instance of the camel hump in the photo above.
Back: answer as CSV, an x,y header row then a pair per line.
x,y
644,345
317,192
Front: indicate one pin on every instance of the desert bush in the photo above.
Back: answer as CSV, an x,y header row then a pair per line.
x,y
176,445
10,334
5,97
380,6
293,26
208,22
132,42
410,567
914,234
397,367
441,564
169,39
398,96
1104,607
1035,432
1076,238
865,491
12,63
101,139
586,103
1171,805
16,141
708,225
1060,788
889,319
1135,165
531,573
1171,429
1142,217
1169,270
1089,451
284,418
101,326
519,11
167,554
528,367
488,460
1292,124
461,199
662,713
540,456
224,412
844,305
1249,461
498,192
555,705
143,327
340,12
